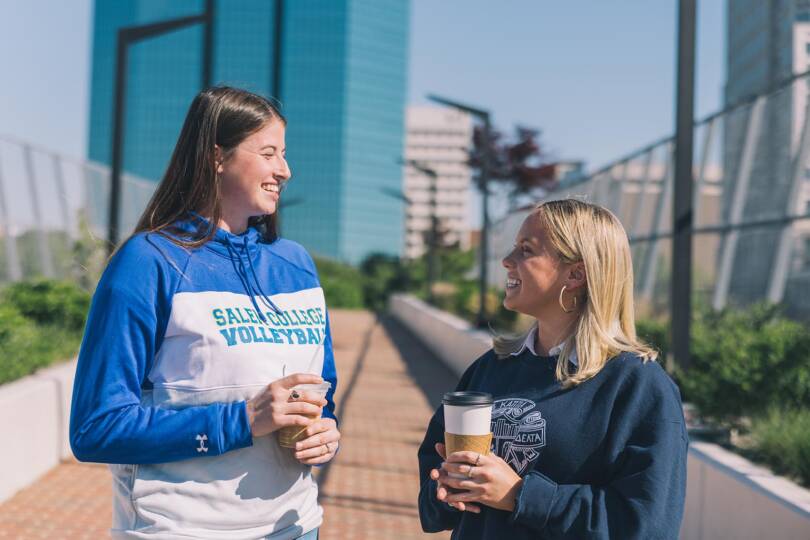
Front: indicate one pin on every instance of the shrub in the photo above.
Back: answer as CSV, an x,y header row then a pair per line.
x,y
745,361
26,347
48,302
40,323
382,275
341,283
782,439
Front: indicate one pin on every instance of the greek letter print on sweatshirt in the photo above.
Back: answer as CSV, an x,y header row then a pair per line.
x,y
176,340
605,459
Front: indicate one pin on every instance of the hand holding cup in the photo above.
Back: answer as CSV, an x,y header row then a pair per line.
x,y
272,408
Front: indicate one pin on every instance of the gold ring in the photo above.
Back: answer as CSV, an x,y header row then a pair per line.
x,y
469,472
477,460
326,449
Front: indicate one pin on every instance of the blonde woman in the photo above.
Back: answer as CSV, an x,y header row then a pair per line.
x,y
588,433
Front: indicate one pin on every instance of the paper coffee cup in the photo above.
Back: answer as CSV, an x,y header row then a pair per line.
x,y
289,435
467,417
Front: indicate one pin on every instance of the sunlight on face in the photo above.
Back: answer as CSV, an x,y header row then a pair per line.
x,y
252,176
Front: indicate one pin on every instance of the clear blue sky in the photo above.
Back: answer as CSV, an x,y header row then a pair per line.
x,y
597,76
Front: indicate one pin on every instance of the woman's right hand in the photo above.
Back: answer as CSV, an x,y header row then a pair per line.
x,y
272,409
443,491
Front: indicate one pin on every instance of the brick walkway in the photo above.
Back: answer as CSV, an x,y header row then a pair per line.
x,y
388,386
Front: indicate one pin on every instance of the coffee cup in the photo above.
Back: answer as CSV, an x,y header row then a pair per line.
x,y
289,435
467,418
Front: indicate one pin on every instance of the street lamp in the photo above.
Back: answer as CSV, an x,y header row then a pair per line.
x,y
483,179
434,223
127,36
682,211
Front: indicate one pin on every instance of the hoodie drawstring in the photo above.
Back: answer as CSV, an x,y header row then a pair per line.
x,y
241,270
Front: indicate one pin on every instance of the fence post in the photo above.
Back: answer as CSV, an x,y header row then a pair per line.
x,y
14,272
651,261
42,244
729,239
779,270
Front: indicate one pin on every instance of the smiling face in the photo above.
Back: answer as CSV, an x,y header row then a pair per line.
x,y
535,272
251,176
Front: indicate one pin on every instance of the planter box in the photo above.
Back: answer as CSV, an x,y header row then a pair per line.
x,y
34,420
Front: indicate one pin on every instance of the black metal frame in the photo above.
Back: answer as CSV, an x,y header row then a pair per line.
x,y
481,320
682,211
127,36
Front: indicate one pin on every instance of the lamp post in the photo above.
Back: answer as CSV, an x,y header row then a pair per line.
x,y
483,181
434,223
682,212
127,36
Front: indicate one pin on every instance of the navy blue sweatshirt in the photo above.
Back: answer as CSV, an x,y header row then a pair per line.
x,y
605,459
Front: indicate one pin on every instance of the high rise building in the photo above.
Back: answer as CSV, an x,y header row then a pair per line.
x,y
438,139
767,43
340,80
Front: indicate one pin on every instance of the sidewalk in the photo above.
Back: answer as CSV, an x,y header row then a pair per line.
x,y
388,386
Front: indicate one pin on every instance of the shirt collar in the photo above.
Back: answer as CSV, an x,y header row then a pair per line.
x,y
554,351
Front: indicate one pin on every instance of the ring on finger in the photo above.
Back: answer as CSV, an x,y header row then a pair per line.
x,y
469,471
477,460
294,394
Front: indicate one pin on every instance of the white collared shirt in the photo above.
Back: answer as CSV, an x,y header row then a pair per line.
x,y
557,349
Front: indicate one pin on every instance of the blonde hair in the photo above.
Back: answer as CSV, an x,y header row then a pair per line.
x,y
591,234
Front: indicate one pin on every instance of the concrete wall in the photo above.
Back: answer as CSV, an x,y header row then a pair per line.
x,y
34,420
449,337
727,496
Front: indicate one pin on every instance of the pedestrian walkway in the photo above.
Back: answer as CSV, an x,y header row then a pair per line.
x,y
387,389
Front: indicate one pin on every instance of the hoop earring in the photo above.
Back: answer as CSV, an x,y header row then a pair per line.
x,y
562,305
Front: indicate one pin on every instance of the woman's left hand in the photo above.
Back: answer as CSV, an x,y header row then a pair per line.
x,y
491,482
321,443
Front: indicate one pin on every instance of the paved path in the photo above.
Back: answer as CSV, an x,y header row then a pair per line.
x,y
388,386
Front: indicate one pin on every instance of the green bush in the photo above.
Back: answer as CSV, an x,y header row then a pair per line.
x,y
341,283
782,440
383,275
26,347
40,323
48,302
745,361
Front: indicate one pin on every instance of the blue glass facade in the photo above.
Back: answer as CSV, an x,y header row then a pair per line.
x,y
344,64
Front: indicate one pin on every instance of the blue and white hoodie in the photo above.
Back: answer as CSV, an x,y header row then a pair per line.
x,y
176,341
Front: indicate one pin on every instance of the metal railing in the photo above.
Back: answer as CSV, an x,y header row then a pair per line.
x,y
54,211
751,231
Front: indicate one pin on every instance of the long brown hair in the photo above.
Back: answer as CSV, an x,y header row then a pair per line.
x,y
219,116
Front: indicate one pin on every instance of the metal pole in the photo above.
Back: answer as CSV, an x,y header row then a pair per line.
x,y
59,179
121,61
278,36
483,181
728,244
208,45
650,268
126,37
43,246
13,270
780,269
682,217
432,240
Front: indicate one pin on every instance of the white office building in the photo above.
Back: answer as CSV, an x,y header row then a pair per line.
x,y
438,139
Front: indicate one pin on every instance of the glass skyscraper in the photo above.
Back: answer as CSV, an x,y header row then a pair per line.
x,y
342,88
